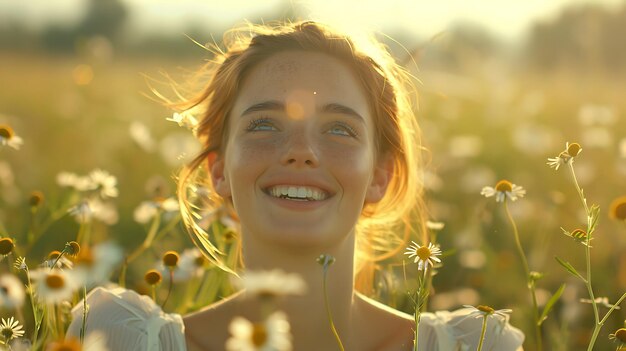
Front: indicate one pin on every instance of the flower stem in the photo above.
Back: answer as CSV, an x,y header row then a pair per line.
x,y
598,323
169,290
148,241
482,333
530,284
84,322
327,305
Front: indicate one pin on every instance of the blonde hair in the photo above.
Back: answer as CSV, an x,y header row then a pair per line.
x,y
384,227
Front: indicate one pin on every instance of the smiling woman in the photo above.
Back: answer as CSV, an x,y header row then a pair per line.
x,y
312,145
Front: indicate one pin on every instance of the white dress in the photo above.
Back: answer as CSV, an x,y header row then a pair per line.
x,y
132,322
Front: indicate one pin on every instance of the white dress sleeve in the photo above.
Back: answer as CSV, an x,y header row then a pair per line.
x,y
129,321
460,331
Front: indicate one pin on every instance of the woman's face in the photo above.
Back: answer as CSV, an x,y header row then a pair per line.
x,y
299,161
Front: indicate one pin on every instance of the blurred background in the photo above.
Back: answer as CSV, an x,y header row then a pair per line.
x,y
503,85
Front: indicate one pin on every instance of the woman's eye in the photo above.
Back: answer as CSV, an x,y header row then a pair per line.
x,y
260,125
342,129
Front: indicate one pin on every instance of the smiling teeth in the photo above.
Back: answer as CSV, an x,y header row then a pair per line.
x,y
298,192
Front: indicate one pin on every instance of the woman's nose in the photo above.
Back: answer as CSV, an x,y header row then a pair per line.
x,y
300,152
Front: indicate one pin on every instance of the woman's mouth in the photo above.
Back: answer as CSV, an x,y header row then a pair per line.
x,y
297,193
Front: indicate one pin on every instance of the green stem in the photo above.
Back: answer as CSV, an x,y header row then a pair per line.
x,y
330,316
482,333
615,306
37,320
58,258
169,290
84,322
417,323
147,241
530,284
598,324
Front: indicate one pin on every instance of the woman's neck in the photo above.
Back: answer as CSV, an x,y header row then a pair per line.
x,y
307,313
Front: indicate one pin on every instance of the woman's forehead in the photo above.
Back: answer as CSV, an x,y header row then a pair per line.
x,y
317,74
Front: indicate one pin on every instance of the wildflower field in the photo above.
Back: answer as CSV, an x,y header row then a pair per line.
x,y
88,162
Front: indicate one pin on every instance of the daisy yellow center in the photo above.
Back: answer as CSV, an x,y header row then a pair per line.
x,y
423,253
485,309
504,186
620,334
67,345
6,246
259,335
579,234
55,281
73,248
85,258
6,132
153,277
618,209
7,333
573,149
170,259
53,255
36,198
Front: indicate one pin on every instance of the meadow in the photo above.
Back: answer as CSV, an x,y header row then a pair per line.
x,y
482,122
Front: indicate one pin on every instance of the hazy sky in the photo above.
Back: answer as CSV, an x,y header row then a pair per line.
x,y
506,18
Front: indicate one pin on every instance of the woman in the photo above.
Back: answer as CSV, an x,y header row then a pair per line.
x,y
313,144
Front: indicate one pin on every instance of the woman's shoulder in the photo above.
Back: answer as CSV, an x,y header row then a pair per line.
x,y
128,321
207,329
442,330
384,326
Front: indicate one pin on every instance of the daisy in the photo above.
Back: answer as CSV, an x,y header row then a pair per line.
x,y
104,182
140,133
54,285
604,301
435,225
12,292
271,283
105,212
82,212
35,199
148,209
503,190
10,329
619,336
73,180
566,156
481,311
53,259
189,264
94,341
270,335
8,137
20,264
617,209
94,266
424,255
6,246
184,119
578,235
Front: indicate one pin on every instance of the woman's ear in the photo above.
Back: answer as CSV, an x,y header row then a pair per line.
x,y
216,169
380,180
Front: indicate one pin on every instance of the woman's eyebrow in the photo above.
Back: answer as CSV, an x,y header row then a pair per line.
x,y
273,105
342,109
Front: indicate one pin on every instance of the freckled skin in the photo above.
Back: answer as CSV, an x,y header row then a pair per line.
x,y
345,164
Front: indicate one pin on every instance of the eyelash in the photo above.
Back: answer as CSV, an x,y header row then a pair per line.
x,y
255,123
351,131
